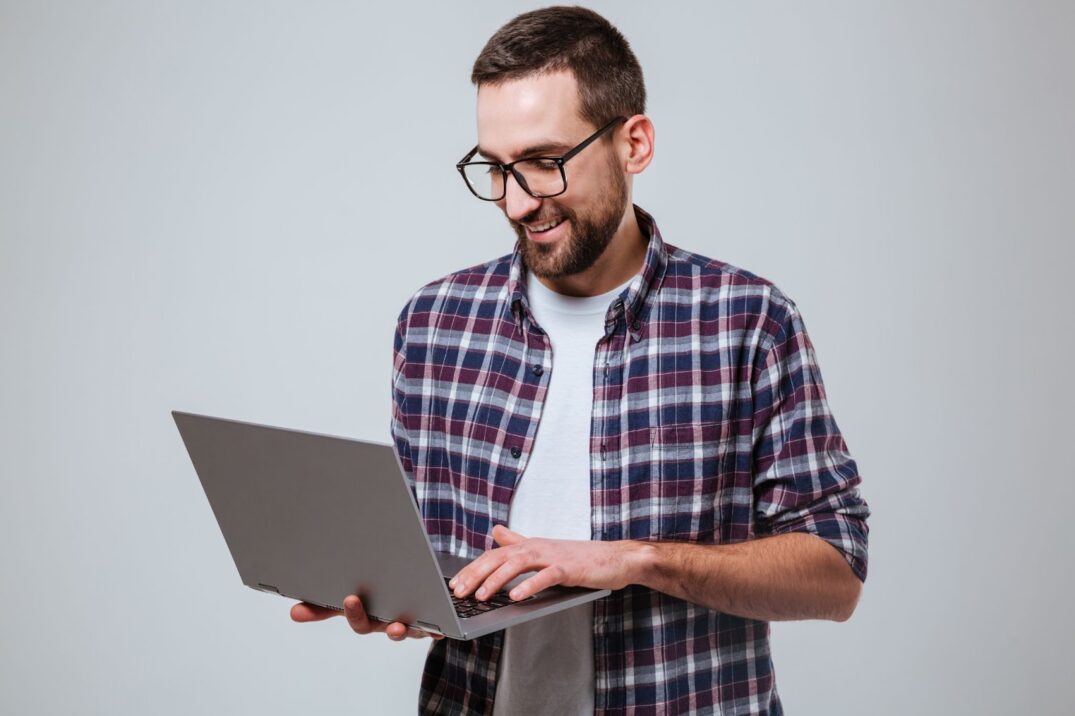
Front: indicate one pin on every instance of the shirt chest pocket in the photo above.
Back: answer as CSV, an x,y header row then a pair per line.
x,y
691,465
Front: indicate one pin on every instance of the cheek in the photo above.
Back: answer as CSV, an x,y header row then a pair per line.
x,y
566,204
588,188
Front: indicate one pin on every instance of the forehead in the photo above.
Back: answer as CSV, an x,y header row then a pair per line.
x,y
536,110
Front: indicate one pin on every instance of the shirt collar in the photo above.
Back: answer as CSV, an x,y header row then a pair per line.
x,y
632,303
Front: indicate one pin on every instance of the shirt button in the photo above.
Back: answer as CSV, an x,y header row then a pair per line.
x,y
516,451
636,325
538,370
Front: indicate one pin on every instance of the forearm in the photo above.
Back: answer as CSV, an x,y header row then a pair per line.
x,y
791,576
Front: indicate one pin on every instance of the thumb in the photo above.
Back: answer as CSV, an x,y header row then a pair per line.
x,y
505,537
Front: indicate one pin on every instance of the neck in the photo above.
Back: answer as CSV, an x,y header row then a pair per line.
x,y
620,261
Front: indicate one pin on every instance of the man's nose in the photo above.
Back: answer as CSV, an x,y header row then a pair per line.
x,y
516,202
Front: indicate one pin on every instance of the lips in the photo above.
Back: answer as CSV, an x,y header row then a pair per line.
x,y
544,226
549,234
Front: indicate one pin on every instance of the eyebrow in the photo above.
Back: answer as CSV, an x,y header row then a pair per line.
x,y
543,147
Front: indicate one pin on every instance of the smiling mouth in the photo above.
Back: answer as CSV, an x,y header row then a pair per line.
x,y
545,226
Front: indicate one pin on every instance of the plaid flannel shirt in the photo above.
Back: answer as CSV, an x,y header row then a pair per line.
x,y
710,424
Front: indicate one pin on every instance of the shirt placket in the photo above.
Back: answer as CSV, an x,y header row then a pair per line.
x,y
604,482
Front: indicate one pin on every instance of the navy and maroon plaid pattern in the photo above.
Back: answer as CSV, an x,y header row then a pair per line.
x,y
710,425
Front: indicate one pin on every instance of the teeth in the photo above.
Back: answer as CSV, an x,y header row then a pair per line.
x,y
546,226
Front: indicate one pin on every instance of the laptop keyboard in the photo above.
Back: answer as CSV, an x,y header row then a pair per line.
x,y
471,607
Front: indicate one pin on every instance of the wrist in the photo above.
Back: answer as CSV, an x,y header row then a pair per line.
x,y
641,560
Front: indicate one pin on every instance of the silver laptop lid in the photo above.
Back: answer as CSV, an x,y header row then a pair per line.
x,y
317,517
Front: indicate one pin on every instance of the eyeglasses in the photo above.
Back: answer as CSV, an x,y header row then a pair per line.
x,y
540,177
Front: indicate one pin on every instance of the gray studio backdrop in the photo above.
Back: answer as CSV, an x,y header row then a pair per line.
x,y
221,207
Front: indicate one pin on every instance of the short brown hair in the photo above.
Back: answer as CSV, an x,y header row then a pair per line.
x,y
575,38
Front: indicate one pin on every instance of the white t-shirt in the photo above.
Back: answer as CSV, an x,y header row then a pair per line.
x,y
546,666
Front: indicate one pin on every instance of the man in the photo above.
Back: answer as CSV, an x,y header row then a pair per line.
x,y
606,410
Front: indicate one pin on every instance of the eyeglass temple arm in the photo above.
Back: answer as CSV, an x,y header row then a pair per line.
x,y
593,137
467,158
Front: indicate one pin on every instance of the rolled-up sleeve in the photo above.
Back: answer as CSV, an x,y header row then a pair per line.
x,y
804,477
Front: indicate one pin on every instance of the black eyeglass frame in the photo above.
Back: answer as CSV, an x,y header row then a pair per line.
x,y
510,167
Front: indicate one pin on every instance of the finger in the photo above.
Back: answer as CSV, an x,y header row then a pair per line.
x,y
357,617
398,631
472,575
505,537
507,571
306,612
548,577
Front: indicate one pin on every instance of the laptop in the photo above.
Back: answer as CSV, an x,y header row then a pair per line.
x,y
316,517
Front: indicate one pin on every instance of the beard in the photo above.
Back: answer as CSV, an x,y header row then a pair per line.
x,y
587,240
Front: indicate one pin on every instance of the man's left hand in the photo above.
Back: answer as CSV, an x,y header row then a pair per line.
x,y
571,563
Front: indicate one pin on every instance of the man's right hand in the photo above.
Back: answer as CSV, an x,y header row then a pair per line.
x,y
358,619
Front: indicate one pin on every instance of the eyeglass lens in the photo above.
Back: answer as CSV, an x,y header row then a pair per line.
x,y
541,177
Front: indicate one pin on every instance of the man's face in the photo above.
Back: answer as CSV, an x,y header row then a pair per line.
x,y
538,116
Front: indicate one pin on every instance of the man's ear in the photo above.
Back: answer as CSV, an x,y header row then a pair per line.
x,y
637,150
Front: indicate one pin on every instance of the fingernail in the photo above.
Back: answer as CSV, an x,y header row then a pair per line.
x,y
451,582
459,589
481,593
515,593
